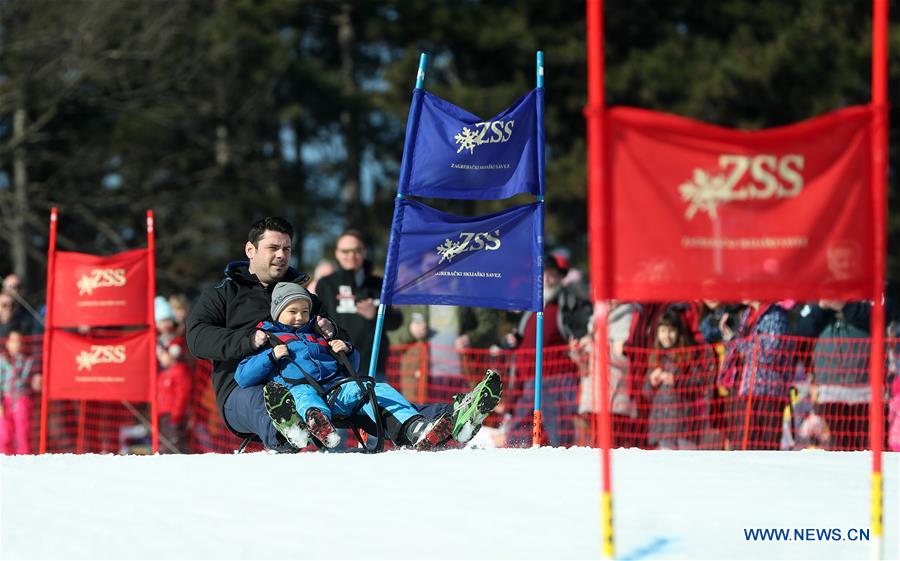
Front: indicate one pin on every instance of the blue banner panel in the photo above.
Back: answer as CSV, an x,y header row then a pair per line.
x,y
450,153
491,261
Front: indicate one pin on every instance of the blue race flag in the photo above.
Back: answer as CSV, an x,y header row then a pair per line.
x,y
491,261
450,153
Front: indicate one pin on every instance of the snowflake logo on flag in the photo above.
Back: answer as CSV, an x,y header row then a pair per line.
x,y
486,132
87,284
448,250
85,360
467,140
705,192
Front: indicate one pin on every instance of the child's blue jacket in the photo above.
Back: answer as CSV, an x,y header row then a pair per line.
x,y
307,350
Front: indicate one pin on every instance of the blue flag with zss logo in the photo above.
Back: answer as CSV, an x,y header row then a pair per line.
x,y
450,153
491,261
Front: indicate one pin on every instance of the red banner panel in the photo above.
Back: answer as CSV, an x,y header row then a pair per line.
x,y
700,211
100,368
97,291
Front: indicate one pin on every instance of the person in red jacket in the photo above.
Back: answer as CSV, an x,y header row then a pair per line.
x,y
560,379
173,386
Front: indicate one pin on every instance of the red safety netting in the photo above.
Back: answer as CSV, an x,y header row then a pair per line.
x,y
760,393
772,393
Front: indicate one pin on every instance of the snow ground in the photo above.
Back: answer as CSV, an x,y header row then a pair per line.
x,y
461,504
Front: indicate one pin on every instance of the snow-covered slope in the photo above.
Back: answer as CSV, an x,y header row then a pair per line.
x,y
463,504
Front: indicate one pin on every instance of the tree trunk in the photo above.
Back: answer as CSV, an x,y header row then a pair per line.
x,y
349,118
17,235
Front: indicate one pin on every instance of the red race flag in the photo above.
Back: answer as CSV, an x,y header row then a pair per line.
x,y
100,368
766,215
99,291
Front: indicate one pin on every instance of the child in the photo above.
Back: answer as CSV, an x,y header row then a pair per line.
x,y
294,404
174,379
16,384
669,386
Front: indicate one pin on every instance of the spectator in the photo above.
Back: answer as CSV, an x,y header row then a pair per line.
x,y
575,306
324,268
573,276
713,402
622,406
351,295
840,368
25,318
17,382
757,372
174,379
711,312
180,310
450,332
12,318
560,378
641,340
671,385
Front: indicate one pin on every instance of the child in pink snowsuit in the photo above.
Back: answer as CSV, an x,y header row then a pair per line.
x,y
16,370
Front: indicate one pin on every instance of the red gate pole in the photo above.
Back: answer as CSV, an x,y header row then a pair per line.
x,y
48,331
879,150
599,239
151,367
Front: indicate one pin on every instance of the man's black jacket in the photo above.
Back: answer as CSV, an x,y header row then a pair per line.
x,y
222,319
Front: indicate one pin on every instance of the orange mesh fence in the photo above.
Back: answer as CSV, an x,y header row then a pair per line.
x,y
766,393
433,374
207,430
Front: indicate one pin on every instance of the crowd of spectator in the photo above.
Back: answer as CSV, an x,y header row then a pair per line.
x,y
687,375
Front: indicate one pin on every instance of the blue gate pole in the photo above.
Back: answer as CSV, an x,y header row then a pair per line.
x,y
538,426
379,322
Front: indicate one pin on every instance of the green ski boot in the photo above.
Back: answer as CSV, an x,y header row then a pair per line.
x,y
282,410
471,409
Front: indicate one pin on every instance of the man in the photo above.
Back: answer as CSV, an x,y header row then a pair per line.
x,y
222,327
561,380
839,368
350,296
11,318
12,285
21,319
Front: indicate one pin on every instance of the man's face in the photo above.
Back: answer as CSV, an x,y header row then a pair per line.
x,y
270,257
6,307
844,263
12,285
350,253
552,279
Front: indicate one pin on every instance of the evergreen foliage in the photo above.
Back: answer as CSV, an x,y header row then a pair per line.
x,y
214,114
